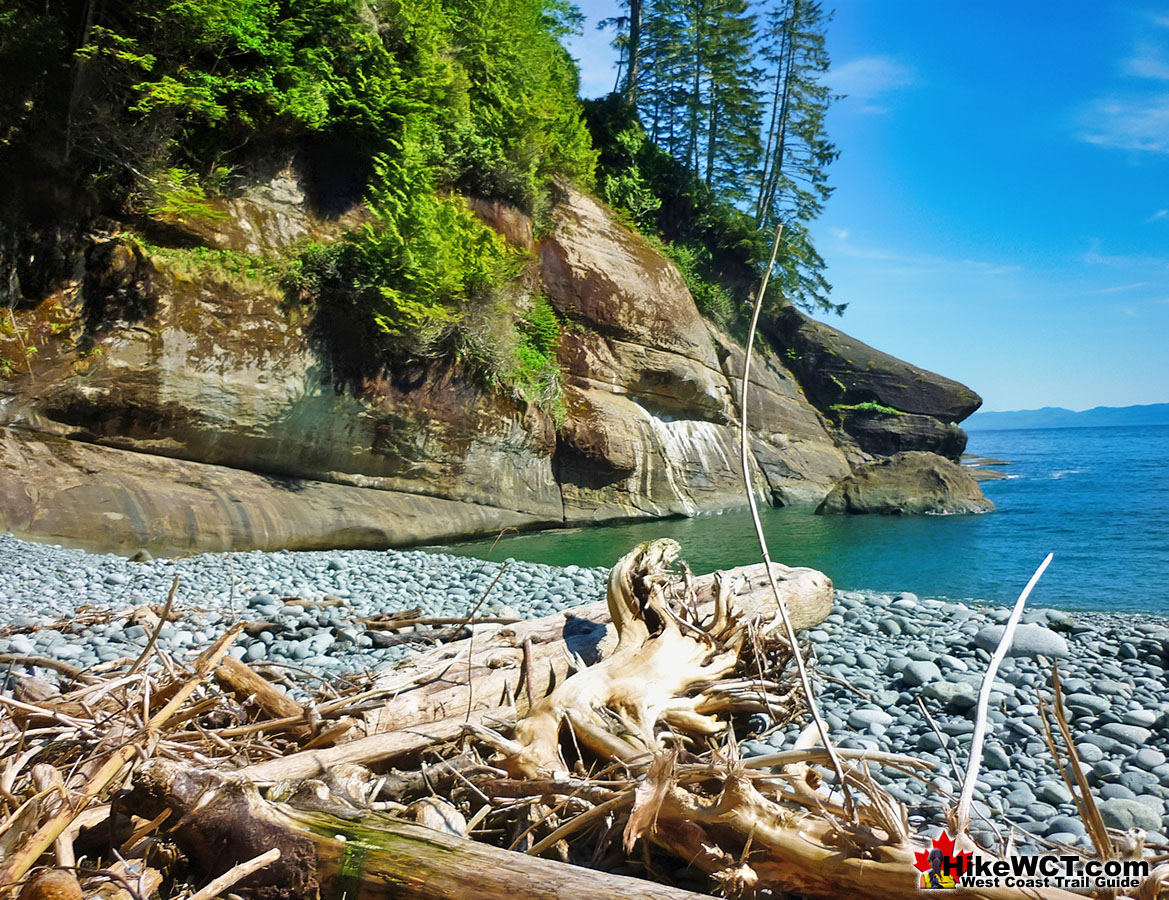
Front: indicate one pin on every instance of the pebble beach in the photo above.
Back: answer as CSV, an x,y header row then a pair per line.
x,y
877,654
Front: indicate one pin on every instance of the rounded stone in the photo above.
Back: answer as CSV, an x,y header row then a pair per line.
x,y
1132,735
957,694
1144,718
1089,753
256,651
1054,792
1124,814
1029,640
1066,825
996,757
919,672
1112,791
1149,758
863,718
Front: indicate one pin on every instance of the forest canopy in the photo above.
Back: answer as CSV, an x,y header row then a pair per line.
x,y
146,111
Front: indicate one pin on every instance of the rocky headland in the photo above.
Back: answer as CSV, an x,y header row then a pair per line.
x,y
146,405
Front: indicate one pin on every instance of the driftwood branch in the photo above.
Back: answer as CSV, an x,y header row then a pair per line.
x,y
25,858
782,611
962,811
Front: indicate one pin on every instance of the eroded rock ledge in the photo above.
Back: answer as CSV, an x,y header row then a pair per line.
x,y
201,412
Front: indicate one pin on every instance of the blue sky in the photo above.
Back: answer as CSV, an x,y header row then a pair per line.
x,y
1001,212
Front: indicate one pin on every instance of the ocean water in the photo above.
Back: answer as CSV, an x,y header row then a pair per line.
x,y
1098,498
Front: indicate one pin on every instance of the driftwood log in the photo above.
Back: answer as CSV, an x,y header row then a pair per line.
x,y
224,819
476,673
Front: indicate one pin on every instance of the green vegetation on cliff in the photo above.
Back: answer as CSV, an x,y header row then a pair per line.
x,y
456,93
149,111
156,113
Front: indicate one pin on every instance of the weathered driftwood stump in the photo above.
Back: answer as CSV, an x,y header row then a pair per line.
x,y
667,670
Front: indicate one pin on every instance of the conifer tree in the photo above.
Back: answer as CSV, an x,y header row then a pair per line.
x,y
732,104
696,94
699,77
793,181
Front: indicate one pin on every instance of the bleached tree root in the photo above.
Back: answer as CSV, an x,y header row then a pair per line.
x,y
662,673
485,671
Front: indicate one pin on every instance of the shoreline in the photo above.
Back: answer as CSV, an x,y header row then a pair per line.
x,y
880,651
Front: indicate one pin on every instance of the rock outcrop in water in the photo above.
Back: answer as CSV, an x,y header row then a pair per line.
x,y
910,483
181,411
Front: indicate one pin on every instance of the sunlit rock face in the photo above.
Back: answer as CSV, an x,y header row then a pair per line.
x,y
223,396
911,483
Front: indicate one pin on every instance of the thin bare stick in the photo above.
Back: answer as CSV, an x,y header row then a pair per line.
x,y
819,754
941,738
145,654
789,629
962,812
576,824
236,874
471,640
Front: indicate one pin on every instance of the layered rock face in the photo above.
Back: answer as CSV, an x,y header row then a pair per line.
x,y
180,412
652,421
836,369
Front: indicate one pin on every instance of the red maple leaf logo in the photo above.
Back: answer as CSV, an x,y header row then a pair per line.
x,y
945,844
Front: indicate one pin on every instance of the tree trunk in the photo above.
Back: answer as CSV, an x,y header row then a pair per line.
x,y
222,820
633,73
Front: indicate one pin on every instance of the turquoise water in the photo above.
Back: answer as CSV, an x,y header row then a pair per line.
x,y
1098,498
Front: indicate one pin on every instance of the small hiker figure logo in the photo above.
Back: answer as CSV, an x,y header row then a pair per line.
x,y
941,868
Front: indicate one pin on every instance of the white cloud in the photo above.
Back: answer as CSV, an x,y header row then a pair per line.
x,y
868,79
1150,60
1157,216
841,234
1134,117
920,262
1120,288
1116,261
1147,66
1131,123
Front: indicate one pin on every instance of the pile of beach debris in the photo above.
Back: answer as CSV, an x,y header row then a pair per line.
x,y
591,754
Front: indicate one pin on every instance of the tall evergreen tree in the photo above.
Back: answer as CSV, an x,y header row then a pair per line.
x,y
696,93
793,181
733,104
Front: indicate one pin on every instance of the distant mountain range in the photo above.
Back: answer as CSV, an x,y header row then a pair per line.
x,y
1058,417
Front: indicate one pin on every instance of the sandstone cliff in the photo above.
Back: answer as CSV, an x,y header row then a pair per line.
x,y
148,406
